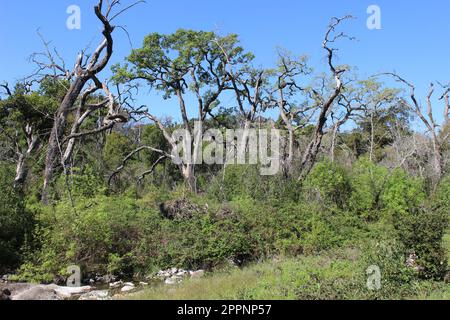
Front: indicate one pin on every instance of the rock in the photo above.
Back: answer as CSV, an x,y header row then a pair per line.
x,y
197,274
68,292
116,285
128,284
38,292
5,294
181,273
5,278
143,283
96,295
49,292
128,287
105,279
173,280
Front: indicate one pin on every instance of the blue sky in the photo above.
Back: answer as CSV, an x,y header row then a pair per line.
x,y
413,41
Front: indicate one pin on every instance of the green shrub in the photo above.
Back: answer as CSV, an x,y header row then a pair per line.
x,y
367,182
90,235
328,183
401,193
397,279
421,231
236,181
16,222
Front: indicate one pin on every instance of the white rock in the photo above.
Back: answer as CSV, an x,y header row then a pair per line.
x,y
173,280
129,284
50,292
116,285
142,283
197,274
96,295
68,292
127,289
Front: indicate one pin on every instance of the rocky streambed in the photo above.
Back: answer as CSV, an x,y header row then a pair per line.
x,y
95,291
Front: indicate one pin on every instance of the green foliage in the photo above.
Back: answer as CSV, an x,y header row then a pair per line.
x,y
367,181
328,183
237,181
117,147
421,231
94,235
16,223
397,278
402,193
153,136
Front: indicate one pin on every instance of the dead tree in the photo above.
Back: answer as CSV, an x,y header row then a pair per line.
x,y
295,116
428,119
85,70
326,104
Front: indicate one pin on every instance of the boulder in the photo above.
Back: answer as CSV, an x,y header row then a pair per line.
x,y
116,285
38,292
5,294
127,288
173,280
68,292
96,295
49,292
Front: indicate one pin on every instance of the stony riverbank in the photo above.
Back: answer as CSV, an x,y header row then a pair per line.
x,y
104,288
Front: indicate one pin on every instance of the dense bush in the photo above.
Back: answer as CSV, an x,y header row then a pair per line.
x,y
236,181
368,181
328,183
242,218
16,223
122,235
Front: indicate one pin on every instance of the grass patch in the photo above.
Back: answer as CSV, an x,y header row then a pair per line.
x,y
333,275
446,241
225,285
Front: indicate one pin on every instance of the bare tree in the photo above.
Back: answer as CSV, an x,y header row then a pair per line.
x,y
427,118
294,115
326,104
85,70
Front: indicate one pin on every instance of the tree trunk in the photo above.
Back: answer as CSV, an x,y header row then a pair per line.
x,y
59,126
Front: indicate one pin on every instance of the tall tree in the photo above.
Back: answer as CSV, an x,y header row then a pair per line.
x,y
325,102
24,124
85,71
181,64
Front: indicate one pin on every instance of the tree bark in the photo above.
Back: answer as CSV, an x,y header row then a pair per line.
x,y
56,135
